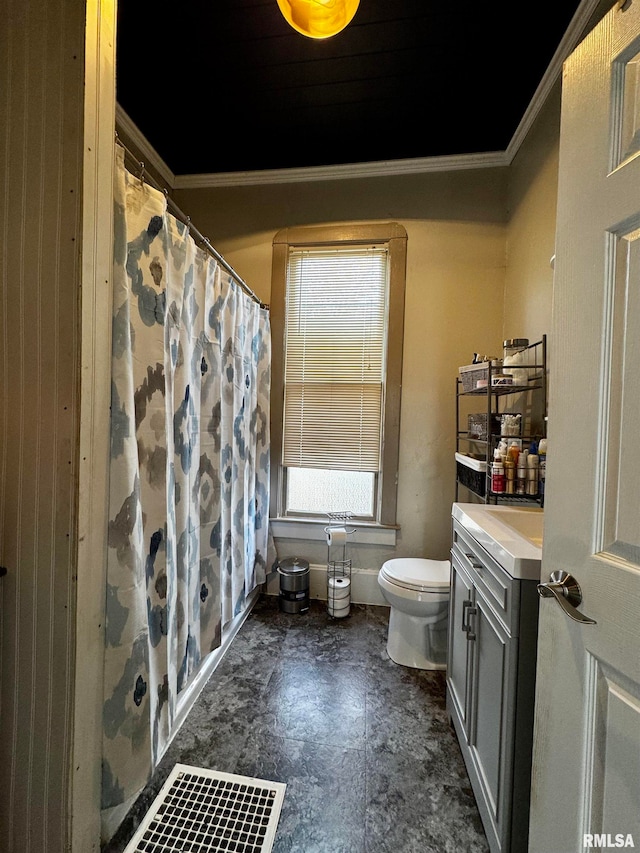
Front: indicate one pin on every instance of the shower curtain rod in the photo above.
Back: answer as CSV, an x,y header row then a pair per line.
x,y
186,220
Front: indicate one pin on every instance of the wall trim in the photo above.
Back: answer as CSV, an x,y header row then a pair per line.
x,y
133,137
95,400
345,171
367,534
585,17
364,585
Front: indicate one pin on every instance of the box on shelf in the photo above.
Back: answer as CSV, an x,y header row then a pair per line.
x,y
472,473
471,374
477,425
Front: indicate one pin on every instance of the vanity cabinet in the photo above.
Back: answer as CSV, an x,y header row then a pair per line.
x,y
490,678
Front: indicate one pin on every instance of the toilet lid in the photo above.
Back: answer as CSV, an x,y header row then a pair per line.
x,y
417,573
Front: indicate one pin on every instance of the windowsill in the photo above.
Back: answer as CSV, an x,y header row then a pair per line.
x,y
367,533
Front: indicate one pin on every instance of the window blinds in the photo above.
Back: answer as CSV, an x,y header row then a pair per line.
x,y
335,349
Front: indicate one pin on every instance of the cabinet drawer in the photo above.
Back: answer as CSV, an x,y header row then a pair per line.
x,y
496,585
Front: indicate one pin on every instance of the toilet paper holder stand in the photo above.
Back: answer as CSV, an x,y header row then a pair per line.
x,y
338,570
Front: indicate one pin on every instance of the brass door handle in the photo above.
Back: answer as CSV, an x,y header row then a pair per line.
x,y
565,589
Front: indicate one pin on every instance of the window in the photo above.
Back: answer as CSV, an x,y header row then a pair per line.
x,y
337,315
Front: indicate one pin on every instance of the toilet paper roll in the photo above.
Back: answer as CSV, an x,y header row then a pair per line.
x,y
340,585
339,588
339,612
336,536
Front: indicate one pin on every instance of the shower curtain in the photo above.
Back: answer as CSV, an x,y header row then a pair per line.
x,y
189,473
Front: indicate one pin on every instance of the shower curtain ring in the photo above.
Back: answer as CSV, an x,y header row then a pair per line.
x,y
142,171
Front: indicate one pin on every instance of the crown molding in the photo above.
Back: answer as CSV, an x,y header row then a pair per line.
x,y
133,137
585,17
382,168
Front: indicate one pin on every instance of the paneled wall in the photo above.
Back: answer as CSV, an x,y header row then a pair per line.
x,y
44,90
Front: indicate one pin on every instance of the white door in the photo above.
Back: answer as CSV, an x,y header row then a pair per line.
x,y
586,774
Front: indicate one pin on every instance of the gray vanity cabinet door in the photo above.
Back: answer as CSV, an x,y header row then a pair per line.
x,y
491,720
462,597
490,682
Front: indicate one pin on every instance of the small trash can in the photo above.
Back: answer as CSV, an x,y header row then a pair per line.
x,y
294,585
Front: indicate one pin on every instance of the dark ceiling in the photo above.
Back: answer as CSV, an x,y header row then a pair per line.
x,y
227,85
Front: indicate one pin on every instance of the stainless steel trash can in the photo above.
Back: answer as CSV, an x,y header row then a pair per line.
x,y
294,585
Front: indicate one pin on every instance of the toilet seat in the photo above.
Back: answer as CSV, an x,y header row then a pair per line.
x,y
416,573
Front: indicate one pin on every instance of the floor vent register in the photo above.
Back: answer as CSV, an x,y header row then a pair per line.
x,y
204,811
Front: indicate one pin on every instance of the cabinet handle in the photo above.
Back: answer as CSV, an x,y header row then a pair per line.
x,y
471,611
468,610
465,606
474,563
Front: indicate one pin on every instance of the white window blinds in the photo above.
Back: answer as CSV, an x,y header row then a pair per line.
x,y
335,350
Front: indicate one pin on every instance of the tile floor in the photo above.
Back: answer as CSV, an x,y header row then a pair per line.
x,y
365,746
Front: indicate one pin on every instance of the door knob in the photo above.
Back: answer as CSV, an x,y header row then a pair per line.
x,y
565,589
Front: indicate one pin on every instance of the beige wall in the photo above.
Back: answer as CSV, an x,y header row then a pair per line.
x,y
533,185
454,307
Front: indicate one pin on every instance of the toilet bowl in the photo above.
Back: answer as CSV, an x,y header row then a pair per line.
x,y
417,592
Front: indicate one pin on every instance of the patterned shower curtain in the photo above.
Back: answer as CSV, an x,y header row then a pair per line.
x,y
189,474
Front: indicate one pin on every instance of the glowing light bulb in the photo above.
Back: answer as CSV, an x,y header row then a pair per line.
x,y
318,19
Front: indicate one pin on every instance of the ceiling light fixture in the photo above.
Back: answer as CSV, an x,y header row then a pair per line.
x,y
318,19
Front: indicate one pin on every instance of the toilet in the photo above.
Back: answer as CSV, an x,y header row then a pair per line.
x,y
417,592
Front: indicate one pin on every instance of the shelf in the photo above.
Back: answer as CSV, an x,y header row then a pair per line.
x,y
533,413
501,495
496,436
499,390
514,497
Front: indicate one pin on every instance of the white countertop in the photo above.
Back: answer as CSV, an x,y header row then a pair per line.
x,y
511,534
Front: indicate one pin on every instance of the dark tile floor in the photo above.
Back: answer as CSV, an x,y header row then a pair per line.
x,y
365,746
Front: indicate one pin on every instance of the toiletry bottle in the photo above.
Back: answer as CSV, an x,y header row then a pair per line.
x,y
521,485
497,478
532,474
542,464
510,476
